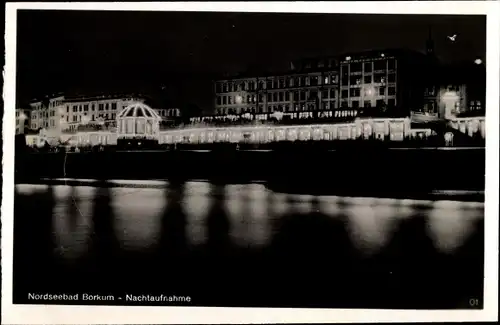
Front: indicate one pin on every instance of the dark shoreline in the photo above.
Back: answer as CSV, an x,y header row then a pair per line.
x,y
362,172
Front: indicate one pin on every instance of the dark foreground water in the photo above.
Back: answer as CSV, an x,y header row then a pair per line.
x,y
245,245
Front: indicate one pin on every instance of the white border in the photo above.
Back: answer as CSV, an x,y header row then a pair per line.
x,y
23,314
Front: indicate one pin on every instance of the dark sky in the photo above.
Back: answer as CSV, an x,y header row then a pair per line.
x,y
182,52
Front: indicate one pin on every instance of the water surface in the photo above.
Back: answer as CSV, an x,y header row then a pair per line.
x,y
246,245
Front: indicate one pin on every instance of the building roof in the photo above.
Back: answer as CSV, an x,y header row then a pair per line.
x,y
390,52
250,75
330,63
138,110
47,97
95,97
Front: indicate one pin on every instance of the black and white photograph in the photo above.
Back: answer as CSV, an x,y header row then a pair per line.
x,y
299,159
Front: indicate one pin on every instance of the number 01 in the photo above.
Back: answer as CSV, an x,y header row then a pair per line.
x,y
474,302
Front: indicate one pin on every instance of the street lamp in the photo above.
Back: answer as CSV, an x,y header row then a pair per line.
x,y
478,61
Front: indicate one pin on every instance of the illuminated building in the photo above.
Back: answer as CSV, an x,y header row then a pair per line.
x,y
382,129
452,99
383,81
45,112
459,89
41,114
81,110
372,82
60,118
396,129
292,91
137,123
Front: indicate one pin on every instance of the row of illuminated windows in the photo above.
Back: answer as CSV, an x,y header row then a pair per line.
x,y
277,83
432,106
230,100
51,104
274,108
85,108
325,105
78,118
379,67
43,114
432,90
73,119
379,103
369,92
475,105
277,97
92,107
44,124
305,95
75,109
377,78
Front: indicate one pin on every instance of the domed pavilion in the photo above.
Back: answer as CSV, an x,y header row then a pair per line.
x,y
138,125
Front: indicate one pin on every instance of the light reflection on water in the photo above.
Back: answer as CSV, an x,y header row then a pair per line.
x,y
138,215
371,227
72,223
251,209
196,203
449,227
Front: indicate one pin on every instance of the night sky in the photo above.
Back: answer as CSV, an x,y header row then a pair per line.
x,y
173,57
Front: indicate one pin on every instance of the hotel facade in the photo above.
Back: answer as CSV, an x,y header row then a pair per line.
x,y
377,80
